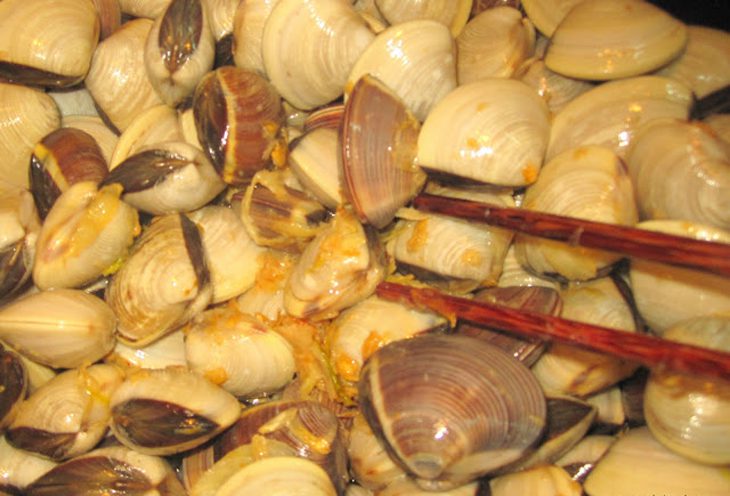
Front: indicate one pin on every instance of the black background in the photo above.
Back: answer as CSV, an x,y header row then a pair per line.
x,y
713,13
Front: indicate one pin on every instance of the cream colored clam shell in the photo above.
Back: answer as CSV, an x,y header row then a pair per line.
x,y
26,116
150,9
673,159
704,65
612,39
547,14
611,113
59,38
94,125
494,44
220,16
309,48
248,32
556,90
451,13
157,124
117,79
415,59
658,287
277,476
493,131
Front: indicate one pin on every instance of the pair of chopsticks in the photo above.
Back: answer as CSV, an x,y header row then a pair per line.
x,y
655,353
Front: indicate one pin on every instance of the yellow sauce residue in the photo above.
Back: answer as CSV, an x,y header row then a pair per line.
x,y
97,216
344,241
347,368
472,143
482,106
373,343
530,172
419,236
217,375
472,258
273,271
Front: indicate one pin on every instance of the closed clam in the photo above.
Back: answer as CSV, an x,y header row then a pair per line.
x,y
276,476
180,50
371,465
238,115
547,14
113,469
26,116
556,90
248,31
587,44
19,225
105,138
150,9
309,48
85,234
492,131
63,157
47,45
61,328
451,409
150,127
611,113
163,283
415,59
160,412
168,351
68,415
453,14
673,158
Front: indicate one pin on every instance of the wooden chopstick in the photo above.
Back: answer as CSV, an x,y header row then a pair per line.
x,y
708,256
655,353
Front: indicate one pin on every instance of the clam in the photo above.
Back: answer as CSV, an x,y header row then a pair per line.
x,y
450,252
341,266
180,50
556,90
248,32
582,457
153,126
162,284
310,47
703,66
105,138
362,329
161,412
19,225
515,275
278,476
266,297
61,328
451,409
453,14
587,44
68,415
239,353
63,157
492,131
587,182
415,59
313,158
657,287
611,416
611,113
545,479
168,351
494,44
13,386
279,213
110,16
689,414
232,256
406,486
546,15
654,469
221,17
378,145
19,468
371,465
571,370
151,9
672,158
238,115
87,231
167,178
47,46
109,470
26,116
117,78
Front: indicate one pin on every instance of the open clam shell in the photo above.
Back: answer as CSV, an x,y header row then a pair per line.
x,y
451,409
378,139
610,39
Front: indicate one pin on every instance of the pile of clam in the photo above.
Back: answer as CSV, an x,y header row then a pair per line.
x,y
199,198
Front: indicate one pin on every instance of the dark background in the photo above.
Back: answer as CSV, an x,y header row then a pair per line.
x,y
713,13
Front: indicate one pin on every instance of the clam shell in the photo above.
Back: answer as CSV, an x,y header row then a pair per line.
x,y
117,79
313,158
248,32
547,14
277,476
494,44
161,412
151,9
378,145
19,225
26,116
492,131
163,283
610,39
672,159
704,65
546,479
168,351
155,125
451,13
61,328
13,386
309,47
47,46
371,465
451,408
415,59
556,90
95,126
19,468
610,114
